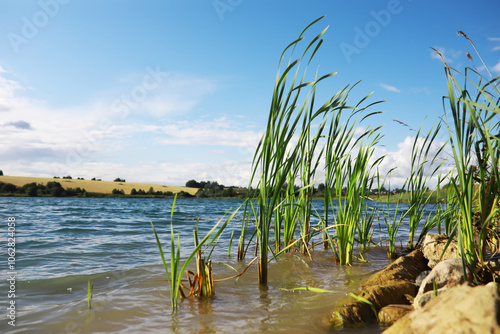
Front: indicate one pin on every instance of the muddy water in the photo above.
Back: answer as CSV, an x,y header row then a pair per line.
x,y
64,243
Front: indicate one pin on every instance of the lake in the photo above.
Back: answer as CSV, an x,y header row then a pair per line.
x,y
63,243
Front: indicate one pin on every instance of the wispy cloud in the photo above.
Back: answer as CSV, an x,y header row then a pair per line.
x,y
390,88
401,159
220,132
495,39
496,68
449,55
19,125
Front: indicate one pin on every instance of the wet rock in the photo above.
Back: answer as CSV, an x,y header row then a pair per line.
x,y
406,267
463,309
391,313
392,285
433,247
445,275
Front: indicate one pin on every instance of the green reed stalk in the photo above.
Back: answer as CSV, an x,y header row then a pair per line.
x,y
392,224
176,271
417,181
355,174
340,141
475,139
276,154
90,294
290,216
451,212
365,227
309,163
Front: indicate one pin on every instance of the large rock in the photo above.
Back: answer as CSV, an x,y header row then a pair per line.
x,y
392,285
445,275
434,246
463,309
391,313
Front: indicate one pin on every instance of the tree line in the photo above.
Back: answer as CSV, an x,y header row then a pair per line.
x,y
33,189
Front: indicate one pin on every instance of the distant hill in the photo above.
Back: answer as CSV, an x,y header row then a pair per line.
x,y
103,187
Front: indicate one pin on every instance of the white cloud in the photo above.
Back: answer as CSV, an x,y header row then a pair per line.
x,y
389,88
91,140
495,39
424,90
220,132
496,68
401,159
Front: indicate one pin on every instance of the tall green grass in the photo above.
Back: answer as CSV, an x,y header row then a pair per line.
x,y
277,153
422,168
299,135
474,127
176,271
354,173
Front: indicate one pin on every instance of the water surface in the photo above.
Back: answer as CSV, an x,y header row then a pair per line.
x,y
62,243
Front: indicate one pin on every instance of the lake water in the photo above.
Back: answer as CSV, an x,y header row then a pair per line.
x,y
62,243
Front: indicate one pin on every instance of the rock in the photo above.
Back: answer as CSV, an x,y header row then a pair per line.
x,y
421,277
391,313
445,275
463,309
392,285
426,297
406,268
433,247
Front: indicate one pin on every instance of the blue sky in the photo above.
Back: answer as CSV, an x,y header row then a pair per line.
x,y
167,91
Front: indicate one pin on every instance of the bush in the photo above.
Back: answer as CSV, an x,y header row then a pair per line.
x,y
133,191
118,192
7,188
31,189
118,180
54,188
184,194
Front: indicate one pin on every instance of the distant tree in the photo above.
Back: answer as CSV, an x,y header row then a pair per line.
x,y
118,192
7,188
1,172
31,189
133,191
192,184
118,180
182,193
321,187
151,191
67,177
141,192
93,179
54,188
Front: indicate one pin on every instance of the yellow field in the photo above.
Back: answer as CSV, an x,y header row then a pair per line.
x,y
104,187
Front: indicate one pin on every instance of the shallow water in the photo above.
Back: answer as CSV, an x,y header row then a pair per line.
x,y
62,243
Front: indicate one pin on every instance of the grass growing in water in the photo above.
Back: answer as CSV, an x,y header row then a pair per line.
x,y
204,276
